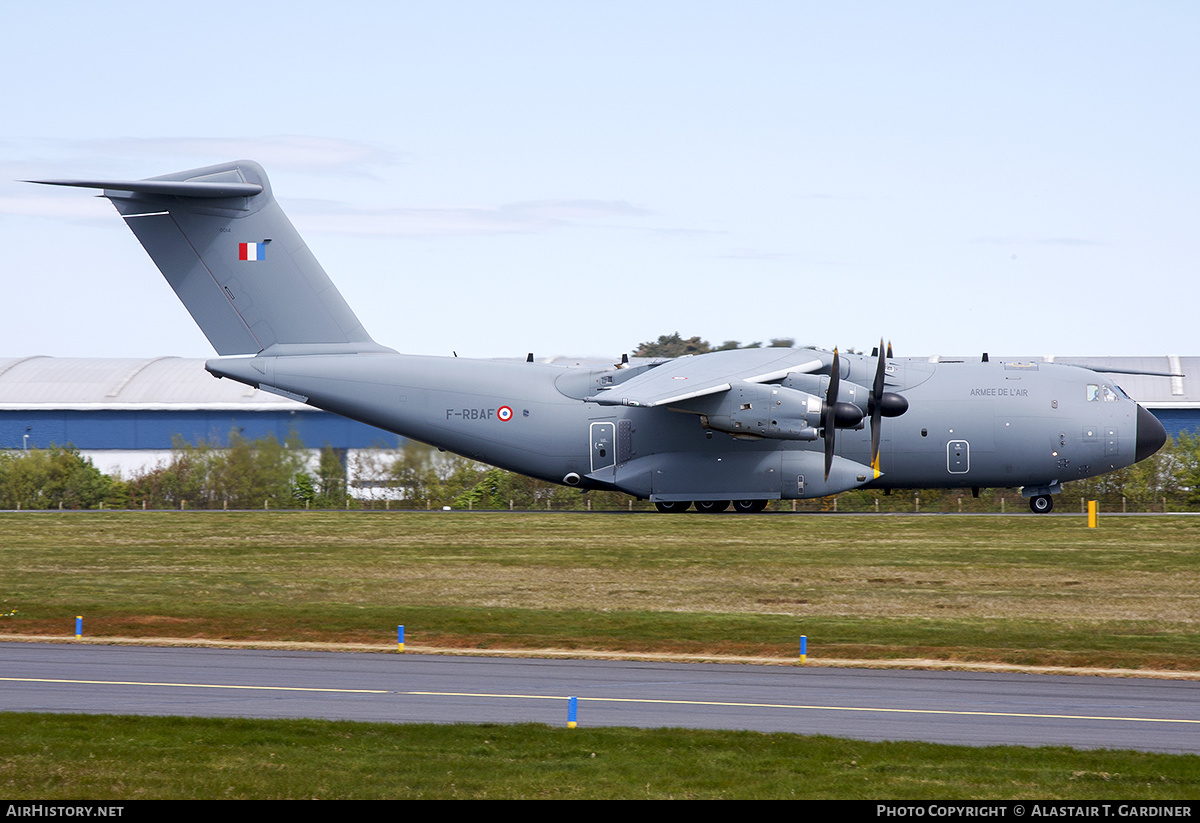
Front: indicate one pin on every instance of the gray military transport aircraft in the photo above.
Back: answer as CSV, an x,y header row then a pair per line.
x,y
738,427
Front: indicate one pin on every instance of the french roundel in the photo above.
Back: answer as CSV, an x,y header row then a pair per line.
x,y
504,413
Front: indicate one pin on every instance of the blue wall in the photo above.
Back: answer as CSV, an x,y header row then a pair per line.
x,y
155,429
1178,420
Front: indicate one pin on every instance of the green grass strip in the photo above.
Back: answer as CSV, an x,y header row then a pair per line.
x,y
52,757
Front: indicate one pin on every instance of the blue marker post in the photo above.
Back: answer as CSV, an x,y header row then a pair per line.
x,y
78,626
572,711
400,639
803,649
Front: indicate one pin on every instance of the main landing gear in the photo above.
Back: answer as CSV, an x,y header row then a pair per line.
x,y
749,506
672,507
714,506
1041,504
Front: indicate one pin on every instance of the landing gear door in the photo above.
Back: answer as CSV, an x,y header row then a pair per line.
x,y
604,452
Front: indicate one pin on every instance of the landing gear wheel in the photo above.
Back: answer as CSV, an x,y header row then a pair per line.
x,y
1042,504
673,506
749,506
711,506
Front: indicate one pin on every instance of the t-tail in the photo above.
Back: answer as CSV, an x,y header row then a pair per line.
x,y
236,261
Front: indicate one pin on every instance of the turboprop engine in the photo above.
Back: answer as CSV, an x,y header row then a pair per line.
x,y
755,410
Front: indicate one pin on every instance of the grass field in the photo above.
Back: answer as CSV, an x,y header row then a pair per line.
x,y
50,757
1019,589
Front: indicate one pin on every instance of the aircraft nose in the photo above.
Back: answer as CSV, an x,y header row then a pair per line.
x,y
1150,434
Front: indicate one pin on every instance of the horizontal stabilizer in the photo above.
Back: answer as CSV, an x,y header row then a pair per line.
x,y
164,188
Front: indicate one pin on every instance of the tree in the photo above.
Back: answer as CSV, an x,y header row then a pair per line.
x,y
672,345
243,475
252,473
331,479
414,475
303,489
54,477
184,478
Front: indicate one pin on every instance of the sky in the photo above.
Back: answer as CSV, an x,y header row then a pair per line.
x,y
574,178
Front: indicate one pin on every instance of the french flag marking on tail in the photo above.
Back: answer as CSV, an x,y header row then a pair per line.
x,y
252,251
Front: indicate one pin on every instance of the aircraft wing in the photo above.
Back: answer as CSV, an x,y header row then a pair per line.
x,y
712,373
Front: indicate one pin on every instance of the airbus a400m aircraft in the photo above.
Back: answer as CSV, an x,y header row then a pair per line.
x,y
742,427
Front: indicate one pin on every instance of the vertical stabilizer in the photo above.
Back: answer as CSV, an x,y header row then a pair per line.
x,y
235,260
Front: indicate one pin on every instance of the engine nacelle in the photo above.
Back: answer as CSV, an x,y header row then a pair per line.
x,y
818,384
759,410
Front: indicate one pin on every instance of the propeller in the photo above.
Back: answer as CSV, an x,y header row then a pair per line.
x,y
876,408
835,377
882,404
836,415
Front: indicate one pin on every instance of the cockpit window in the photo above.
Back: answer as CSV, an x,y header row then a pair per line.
x,y
1093,392
1110,396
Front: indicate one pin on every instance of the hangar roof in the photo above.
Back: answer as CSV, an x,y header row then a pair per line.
x,y
149,383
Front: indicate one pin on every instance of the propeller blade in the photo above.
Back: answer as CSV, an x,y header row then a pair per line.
x,y
835,376
829,430
877,386
882,404
876,404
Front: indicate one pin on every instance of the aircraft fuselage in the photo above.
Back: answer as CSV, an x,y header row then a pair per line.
x,y
968,424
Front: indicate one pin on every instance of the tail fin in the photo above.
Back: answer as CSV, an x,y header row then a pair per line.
x,y
235,260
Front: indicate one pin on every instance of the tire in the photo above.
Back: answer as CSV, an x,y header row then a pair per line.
x,y
749,506
1041,504
711,506
673,507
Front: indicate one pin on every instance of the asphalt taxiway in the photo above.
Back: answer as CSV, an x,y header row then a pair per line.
x,y
944,707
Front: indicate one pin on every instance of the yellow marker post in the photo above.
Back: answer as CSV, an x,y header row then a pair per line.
x,y
1093,514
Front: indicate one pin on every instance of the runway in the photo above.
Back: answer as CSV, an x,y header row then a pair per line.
x,y
941,707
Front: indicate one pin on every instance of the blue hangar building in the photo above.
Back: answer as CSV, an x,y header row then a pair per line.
x,y
125,414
